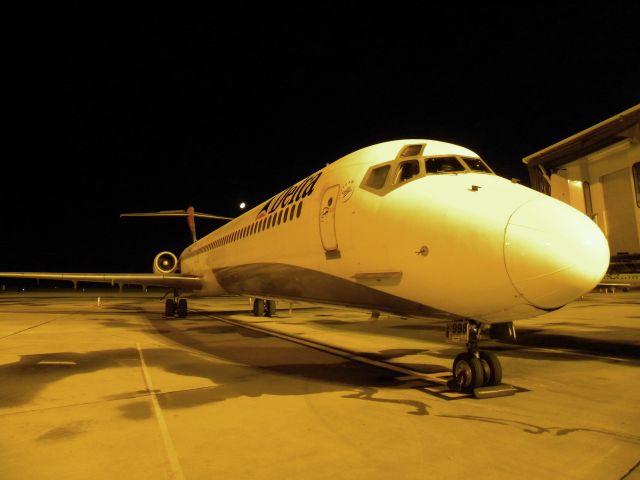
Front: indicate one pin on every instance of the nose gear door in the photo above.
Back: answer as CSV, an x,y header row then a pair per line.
x,y
328,218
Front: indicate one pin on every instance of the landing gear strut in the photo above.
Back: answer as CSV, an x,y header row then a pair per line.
x,y
176,306
266,308
474,368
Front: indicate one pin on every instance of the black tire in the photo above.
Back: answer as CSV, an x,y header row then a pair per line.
x,y
467,372
492,369
270,308
169,308
258,307
182,308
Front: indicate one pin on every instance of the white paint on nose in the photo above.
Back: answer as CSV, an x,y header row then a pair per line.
x,y
553,253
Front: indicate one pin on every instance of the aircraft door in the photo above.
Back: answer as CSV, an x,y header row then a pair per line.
x,y
328,218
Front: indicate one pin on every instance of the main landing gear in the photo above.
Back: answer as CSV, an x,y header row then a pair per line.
x,y
263,308
474,368
175,306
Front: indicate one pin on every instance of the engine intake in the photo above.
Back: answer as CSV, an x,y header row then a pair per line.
x,y
165,262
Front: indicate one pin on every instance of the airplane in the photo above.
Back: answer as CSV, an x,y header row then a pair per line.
x,y
418,228
625,281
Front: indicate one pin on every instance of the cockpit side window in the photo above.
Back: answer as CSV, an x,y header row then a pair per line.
x,y
406,171
476,165
443,165
377,177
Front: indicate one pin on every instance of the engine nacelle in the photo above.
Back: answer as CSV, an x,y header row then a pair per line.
x,y
165,262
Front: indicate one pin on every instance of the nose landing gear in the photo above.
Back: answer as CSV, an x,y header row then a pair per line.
x,y
474,368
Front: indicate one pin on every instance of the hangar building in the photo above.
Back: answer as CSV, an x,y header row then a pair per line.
x,y
597,171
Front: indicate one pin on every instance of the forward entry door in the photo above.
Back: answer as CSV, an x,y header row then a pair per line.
x,y
328,218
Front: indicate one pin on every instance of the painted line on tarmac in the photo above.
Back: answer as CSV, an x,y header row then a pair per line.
x,y
101,402
175,471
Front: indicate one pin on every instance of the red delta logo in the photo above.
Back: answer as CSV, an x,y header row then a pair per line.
x,y
299,191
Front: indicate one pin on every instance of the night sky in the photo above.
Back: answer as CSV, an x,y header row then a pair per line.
x,y
159,107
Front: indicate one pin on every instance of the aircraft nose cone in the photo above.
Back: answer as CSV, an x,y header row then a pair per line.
x,y
553,253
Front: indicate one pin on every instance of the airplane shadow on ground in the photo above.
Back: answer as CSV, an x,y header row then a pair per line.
x,y
242,363
602,345
596,345
245,363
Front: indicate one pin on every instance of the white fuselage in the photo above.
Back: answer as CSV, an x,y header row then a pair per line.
x,y
467,244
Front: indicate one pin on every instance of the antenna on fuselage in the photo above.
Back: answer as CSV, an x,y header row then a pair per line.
x,y
190,213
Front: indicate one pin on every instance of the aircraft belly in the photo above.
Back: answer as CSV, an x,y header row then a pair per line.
x,y
298,283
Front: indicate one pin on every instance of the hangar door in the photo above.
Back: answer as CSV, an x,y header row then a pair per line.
x,y
328,218
622,229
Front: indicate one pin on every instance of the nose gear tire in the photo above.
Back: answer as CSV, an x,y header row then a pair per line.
x,y
491,368
468,373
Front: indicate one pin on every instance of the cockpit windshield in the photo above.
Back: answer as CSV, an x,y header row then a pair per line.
x,y
443,165
476,164
411,163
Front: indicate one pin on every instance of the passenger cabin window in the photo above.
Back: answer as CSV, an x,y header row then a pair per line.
x,y
377,177
476,165
406,171
443,165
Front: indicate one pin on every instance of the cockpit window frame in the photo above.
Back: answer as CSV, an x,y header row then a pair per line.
x,y
367,177
411,151
397,181
391,182
464,166
476,159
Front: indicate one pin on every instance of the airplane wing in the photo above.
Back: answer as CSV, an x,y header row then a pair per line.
x,y
170,280
620,280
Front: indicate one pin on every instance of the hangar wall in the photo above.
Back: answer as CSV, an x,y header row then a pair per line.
x,y
603,186
597,171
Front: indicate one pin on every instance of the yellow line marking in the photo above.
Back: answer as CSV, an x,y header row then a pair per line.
x,y
175,471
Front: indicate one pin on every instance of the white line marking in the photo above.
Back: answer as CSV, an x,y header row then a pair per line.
x,y
174,469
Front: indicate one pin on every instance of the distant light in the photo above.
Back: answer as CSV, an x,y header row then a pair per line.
x,y
242,205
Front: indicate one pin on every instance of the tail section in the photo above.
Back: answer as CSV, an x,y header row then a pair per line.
x,y
190,213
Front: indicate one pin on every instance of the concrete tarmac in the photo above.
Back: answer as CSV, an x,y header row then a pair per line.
x,y
117,391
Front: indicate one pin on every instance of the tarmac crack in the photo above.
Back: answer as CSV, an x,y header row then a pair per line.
x,y
538,430
29,328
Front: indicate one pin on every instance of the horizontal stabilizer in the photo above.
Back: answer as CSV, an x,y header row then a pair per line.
x,y
175,213
170,280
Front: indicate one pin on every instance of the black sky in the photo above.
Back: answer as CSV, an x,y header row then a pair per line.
x,y
112,109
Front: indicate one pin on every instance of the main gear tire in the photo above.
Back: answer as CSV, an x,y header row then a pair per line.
x,y
169,308
182,308
258,307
